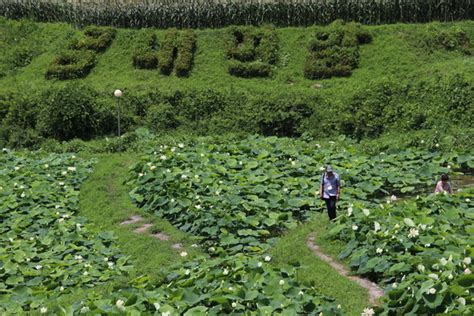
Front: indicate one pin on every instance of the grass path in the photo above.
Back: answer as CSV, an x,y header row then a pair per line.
x,y
293,248
104,201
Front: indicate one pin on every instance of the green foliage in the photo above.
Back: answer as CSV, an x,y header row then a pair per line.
x,y
199,14
237,284
168,51
422,250
252,51
45,249
145,54
69,112
334,51
95,38
162,117
81,58
71,64
177,52
186,49
453,38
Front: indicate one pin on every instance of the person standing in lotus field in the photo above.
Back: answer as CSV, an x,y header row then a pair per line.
x,y
330,190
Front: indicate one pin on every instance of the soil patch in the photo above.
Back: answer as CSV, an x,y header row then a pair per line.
x,y
161,236
375,292
132,220
143,228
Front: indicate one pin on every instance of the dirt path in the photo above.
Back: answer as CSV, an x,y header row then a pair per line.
x,y
375,292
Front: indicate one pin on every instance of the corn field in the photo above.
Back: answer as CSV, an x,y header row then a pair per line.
x,y
219,13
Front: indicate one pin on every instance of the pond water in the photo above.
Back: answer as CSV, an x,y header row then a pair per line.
x,y
462,181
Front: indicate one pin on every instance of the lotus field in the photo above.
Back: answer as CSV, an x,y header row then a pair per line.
x,y
237,199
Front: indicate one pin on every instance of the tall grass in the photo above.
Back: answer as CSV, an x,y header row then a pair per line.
x,y
218,13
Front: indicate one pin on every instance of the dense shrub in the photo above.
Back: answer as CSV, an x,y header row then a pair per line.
x,y
252,51
95,38
71,64
145,54
250,69
186,49
69,112
162,117
334,50
81,58
454,38
168,51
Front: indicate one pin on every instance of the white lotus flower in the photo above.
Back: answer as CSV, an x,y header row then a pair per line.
x,y
226,272
443,261
152,167
166,314
281,282
187,272
157,305
379,250
86,273
397,226
43,310
300,293
71,168
38,267
184,177
322,168
467,260
376,226
73,157
393,198
468,200
64,173
432,291
61,183
394,285
212,249
467,271
355,227
423,226
421,268
259,264
339,306
84,309
198,207
78,257
61,288
368,312
234,304
450,276
16,168
427,245
231,288
461,300
163,157
434,276
413,233
120,304
183,254
285,190
110,264
180,145
202,155
349,211
173,149
22,194
268,258
140,175
293,163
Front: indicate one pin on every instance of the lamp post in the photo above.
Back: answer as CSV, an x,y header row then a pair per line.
x,y
118,95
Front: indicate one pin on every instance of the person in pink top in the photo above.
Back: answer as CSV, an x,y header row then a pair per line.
x,y
443,185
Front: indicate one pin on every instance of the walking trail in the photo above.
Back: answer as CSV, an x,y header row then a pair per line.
x,y
374,291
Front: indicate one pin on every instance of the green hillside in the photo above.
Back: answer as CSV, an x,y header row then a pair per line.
x,y
403,72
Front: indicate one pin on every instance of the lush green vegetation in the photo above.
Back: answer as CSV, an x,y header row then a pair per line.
x,y
212,13
405,70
